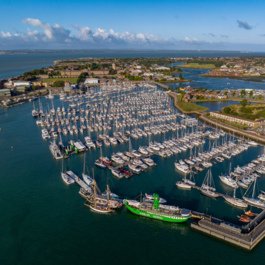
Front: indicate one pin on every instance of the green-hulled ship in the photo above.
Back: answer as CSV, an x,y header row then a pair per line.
x,y
158,211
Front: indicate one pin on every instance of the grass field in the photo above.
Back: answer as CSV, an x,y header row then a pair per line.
x,y
190,107
186,107
197,65
249,112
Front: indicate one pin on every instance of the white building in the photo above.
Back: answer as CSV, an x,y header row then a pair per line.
x,y
91,81
162,68
21,83
248,123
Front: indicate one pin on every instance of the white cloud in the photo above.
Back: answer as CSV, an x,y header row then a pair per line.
x,y
43,35
47,29
5,34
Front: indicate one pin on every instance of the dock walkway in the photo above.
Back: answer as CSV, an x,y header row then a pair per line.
x,y
235,235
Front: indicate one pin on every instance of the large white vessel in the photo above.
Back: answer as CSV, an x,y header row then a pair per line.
x,y
228,181
251,199
182,168
235,201
55,150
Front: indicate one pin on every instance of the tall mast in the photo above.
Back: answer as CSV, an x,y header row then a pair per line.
x,y
84,164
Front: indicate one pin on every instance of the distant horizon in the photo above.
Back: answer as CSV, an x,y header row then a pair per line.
x,y
129,49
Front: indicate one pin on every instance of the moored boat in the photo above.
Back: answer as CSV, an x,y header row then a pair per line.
x,y
156,211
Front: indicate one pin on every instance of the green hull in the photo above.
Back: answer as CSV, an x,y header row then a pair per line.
x,y
157,216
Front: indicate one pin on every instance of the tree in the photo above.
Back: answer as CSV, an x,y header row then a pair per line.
x,y
58,83
180,77
227,110
243,93
82,77
251,93
244,103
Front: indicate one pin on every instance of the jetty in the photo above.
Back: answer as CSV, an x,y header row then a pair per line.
x,y
79,181
246,237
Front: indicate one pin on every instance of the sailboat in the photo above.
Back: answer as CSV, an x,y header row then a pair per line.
x,y
95,203
65,177
235,201
34,112
88,180
186,183
100,161
252,200
228,180
208,188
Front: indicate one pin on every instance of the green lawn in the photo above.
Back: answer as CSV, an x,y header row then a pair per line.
x,y
197,65
186,106
249,112
191,107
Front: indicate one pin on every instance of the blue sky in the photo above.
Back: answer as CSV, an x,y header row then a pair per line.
x,y
190,24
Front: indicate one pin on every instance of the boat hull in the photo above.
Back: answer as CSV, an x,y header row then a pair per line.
x,y
148,214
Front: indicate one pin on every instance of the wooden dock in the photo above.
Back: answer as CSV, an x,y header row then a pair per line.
x,y
79,181
246,237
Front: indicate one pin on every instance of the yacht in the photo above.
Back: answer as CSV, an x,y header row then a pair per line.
x,y
45,134
235,201
67,179
228,181
55,150
182,168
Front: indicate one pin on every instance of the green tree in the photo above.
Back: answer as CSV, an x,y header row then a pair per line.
x,y
180,77
251,93
227,110
82,77
244,103
58,83
243,93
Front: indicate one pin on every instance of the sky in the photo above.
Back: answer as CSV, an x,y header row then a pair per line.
x,y
115,24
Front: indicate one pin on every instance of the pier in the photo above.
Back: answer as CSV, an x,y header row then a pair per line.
x,y
79,181
246,237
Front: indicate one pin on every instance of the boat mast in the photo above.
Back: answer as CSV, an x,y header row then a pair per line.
x,y
84,164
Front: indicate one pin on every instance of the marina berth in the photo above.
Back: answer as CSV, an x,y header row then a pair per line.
x,y
138,128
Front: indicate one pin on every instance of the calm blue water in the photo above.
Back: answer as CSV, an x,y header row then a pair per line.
x,y
43,221
216,106
199,81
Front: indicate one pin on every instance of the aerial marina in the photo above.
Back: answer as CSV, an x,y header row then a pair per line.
x,y
128,130
132,132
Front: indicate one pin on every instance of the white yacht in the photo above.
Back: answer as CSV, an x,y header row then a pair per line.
x,y
228,181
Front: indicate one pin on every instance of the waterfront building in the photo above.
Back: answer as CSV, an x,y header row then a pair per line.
x,y
91,81
250,124
5,92
21,83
